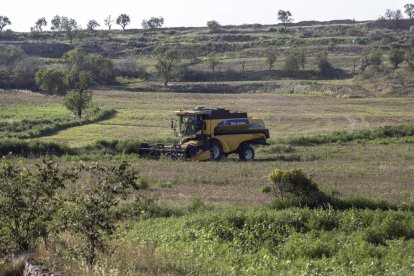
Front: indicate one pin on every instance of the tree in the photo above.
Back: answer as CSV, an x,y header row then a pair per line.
x,y
108,22
410,58
28,200
292,61
101,68
393,15
285,17
51,80
242,64
123,20
324,65
153,23
302,58
373,59
69,26
4,21
212,61
166,64
409,10
396,56
92,25
213,26
56,23
271,57
79,99
40,23
90,211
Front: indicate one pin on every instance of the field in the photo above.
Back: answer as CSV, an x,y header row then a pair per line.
x,y
351,135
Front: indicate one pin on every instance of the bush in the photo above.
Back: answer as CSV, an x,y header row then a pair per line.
x,y
292,182
292,62
51,80
396,56
35,148
28,202
325,67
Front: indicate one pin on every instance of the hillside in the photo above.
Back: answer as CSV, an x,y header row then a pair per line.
x,y
239,51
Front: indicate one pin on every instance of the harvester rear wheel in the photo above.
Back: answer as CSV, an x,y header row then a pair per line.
x,y
216,150
246,153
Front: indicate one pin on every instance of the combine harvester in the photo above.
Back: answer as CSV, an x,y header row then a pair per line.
x,y
210,134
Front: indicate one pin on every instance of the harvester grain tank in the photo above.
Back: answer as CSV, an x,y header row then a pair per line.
x,y
210,134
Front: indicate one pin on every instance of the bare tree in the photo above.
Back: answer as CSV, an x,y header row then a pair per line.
x,y
108,22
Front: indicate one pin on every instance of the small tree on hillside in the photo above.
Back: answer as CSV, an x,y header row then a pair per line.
x,y
213,62
271,57
396,56
69,26
292,61
373,59
409,57
242,64
79,99
409,10
324,65
166,63
153,23
40,23
92,25
123,20
4,21
213,26
108,22
51,80
285,17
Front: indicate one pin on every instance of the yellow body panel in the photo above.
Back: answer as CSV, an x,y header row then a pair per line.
x,y
231,142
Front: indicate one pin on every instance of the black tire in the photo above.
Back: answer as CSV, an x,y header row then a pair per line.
x,y
216,150
142,152
246,152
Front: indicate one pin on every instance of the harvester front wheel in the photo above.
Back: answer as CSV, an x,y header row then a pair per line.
x,y
246,153
216,150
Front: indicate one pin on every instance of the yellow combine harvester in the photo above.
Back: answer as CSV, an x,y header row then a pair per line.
x,y
210,134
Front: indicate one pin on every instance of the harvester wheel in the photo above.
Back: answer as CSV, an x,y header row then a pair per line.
x,y
216,150
142,146
246,153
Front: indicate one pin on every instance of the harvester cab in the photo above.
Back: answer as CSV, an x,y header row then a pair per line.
x,y
210,134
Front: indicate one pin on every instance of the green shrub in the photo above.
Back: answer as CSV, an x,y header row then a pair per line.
x,y
28,201
292,182
265,189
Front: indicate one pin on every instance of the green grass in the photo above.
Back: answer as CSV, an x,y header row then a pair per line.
x,y
289,242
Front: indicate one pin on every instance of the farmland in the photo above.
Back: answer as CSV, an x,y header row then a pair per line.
x,y
350,134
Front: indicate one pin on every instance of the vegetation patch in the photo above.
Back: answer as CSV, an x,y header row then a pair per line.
x,y
359,135
27,128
